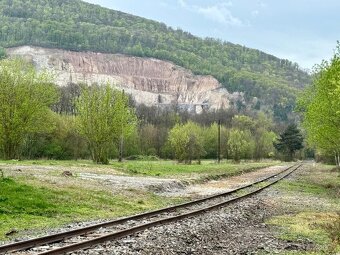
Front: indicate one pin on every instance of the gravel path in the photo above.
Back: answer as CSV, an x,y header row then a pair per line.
x,y
214,187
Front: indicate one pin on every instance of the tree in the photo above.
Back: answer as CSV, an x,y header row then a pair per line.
x,y
243,122
289,142
26,97
240,144
125,120
257,133
264,137
321,108
104,118
148,136
187,142
264,143
211,140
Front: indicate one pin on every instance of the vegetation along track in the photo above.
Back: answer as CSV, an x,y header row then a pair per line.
x,y
88,236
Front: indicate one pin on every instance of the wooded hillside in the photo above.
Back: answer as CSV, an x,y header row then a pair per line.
x,y
79,26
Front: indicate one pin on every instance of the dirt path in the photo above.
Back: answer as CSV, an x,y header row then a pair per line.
x,y
116,181
213,187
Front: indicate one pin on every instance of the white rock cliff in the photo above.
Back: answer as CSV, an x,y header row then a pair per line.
x,y
149,81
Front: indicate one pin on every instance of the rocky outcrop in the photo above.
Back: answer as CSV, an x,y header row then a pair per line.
x,y
149,81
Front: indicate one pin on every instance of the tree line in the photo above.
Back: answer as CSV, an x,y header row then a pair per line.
x,y
40,120
320,107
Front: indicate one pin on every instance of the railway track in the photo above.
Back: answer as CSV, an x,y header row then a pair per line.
x,y
89,236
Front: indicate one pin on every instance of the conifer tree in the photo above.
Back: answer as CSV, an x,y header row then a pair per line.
x,y
289,142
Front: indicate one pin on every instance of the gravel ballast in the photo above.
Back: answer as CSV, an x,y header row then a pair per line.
x,y
234,229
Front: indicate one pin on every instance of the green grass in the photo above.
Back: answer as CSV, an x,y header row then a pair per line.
x,y
207,169
304,187
25,206
313,203
43,198
305,225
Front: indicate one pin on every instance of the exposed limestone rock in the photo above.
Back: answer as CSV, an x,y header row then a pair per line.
x,y
149,81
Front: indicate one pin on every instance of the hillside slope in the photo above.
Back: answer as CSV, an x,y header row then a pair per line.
x,y
79,26
148,81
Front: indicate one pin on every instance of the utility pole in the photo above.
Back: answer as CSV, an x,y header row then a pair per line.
x,y
121,148
121,142
219,142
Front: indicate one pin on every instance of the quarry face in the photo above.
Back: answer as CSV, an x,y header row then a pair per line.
x,y
149,81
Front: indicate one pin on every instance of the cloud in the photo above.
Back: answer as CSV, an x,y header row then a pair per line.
x,y
183,4
219,12
262,4
255,13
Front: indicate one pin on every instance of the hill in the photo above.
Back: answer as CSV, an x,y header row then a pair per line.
x,y
79,26
149,81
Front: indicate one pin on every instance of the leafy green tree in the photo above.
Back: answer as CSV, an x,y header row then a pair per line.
x,y
25,97
261,141
187,142
125,120
289,142
211,140
264,137
243,122
63,142
148,136
240,144
104,119
264,140
131,147
321,108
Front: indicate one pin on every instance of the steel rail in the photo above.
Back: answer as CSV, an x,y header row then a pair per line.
x,y
81,231
133,230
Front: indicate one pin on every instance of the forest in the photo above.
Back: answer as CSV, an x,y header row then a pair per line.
x,y
79,26
41,120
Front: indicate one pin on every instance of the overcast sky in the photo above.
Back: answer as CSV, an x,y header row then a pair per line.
x,y
303,31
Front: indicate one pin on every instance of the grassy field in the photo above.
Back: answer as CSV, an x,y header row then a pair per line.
x,y
207,168
32,204
42,197
312,206
162,168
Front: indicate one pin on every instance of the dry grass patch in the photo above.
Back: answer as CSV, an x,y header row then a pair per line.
x,y
311,205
